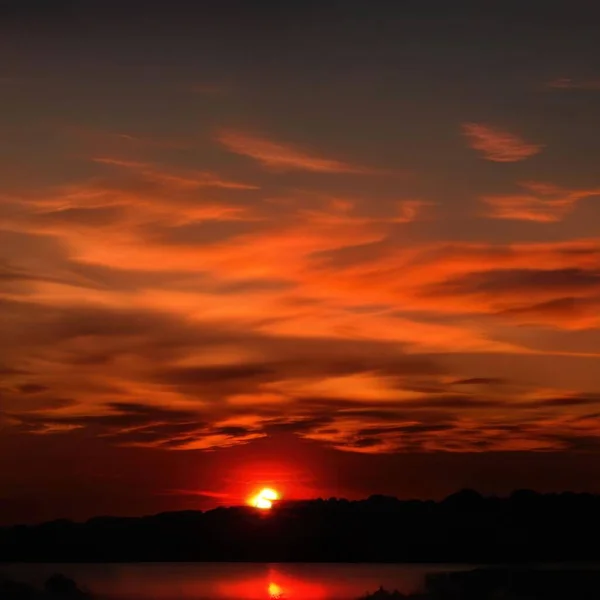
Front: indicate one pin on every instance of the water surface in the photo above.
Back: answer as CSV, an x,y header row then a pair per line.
x,y
232,581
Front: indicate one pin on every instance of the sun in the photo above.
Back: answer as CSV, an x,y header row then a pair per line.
x,y
264,499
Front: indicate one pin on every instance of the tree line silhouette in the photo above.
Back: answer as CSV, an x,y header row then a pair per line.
x,y
464,527
505,583
56,587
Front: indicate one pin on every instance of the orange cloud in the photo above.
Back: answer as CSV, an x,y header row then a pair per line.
x,y
469,279
124,140
144,195
280,156
544,203
573,313
343,212
193,179
498,145
152,308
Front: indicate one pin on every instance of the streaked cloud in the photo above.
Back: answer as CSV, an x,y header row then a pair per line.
x,y
147,333
178,309
556,297
498,145
283,156
540,202
567,83
189,179
110,141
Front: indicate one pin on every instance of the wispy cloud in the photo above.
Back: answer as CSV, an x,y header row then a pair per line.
x,y
509,282
541,202
412,210
201,493
497,144
186,179
115,208
566,83
282,156
100,140
164,307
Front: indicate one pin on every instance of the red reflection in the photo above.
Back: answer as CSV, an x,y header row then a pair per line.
x,y
275,586
275,591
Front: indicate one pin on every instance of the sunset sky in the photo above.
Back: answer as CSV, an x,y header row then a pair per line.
x,y
336,247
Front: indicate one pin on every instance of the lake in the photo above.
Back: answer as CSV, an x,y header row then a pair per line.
x,y
231,581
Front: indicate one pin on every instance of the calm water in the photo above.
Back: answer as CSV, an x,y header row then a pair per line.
x,y
227,581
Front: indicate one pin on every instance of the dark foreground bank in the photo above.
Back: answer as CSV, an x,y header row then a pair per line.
x,y
508,584
57,587
464,528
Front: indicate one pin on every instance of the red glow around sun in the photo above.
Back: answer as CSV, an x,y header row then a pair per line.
x,y
264,499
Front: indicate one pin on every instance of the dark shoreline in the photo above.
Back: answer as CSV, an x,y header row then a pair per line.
x,y
540,565
465,528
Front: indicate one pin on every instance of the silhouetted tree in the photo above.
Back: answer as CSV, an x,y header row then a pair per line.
x,y
465,527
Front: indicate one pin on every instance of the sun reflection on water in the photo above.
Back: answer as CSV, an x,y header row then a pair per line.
x,y
275,584
275,592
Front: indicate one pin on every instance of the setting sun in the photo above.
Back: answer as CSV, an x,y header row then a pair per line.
x,y
264,499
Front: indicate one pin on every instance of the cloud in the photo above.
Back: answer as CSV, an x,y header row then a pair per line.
x,y
150,379
162,308
285,157
498,145
461,431
569,312
528,282
567,83
542,203
32,388
573,400
217,497
130,424
441,422
185,180
562,297
450,283
115,206
411,210
123,141
480,381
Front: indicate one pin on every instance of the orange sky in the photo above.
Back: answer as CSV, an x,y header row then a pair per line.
x,y
378,243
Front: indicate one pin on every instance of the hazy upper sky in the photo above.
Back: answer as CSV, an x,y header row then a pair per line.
x,y
341,247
